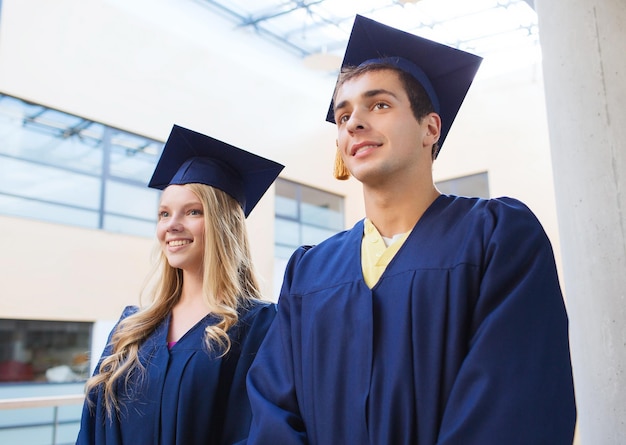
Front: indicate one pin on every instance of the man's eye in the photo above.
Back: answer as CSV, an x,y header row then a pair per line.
x,y
343,119
381,105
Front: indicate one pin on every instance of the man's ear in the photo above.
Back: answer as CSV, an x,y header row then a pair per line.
x,y
433,122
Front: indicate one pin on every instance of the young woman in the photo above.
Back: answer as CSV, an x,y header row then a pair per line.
x,y
174,372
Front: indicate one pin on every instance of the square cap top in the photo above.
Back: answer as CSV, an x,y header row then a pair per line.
x,y
446,73
191,157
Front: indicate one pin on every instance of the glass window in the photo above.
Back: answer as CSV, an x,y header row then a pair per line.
x,y
59,167
44,351
130,200
321,208
128,226
287,232
50,137
476,185
133,157
315,234
304,215
25,208
49,184
286,201
321,214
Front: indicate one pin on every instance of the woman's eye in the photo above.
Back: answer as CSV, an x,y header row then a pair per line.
x,y
195,212
163,214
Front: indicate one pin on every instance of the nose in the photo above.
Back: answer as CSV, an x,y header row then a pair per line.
x,y
174,224
356,122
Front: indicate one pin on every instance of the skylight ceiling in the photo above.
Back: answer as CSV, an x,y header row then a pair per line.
x,y
504,32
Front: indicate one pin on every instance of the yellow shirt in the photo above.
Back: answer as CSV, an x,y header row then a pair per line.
x,y
375,255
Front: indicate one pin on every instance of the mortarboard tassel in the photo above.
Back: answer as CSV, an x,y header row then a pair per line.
x,y
340,170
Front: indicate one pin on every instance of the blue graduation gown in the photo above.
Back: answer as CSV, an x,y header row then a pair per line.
x,y
463,340
188,396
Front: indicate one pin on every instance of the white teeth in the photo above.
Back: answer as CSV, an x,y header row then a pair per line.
x,y
178,243
365,147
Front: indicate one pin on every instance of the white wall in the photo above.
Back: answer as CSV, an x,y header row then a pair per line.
x,y
57,272
143,65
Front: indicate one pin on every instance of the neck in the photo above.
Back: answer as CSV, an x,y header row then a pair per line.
x,y
394,213
192,287
190,308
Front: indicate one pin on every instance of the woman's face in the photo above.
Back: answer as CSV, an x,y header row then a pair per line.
x,y
180,228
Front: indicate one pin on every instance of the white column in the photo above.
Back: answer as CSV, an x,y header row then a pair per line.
x,y
584,61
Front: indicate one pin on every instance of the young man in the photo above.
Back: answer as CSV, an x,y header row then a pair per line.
x,y
436,319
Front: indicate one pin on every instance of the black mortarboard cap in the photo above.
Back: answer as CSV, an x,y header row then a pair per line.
x,y
191,157
446,73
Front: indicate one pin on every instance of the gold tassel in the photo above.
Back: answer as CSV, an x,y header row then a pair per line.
x,y
340,170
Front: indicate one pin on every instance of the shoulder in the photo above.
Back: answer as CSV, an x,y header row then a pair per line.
x,y
255,318
464,230
475,207
487,214
511,216
259,310
327,264
128,311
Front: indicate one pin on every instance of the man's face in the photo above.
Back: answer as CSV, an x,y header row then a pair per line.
x,y
379,138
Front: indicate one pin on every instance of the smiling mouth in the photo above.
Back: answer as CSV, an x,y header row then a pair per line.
x,y
178,243
361,148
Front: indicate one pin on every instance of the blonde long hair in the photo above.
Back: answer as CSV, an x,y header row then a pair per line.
x,y
229,282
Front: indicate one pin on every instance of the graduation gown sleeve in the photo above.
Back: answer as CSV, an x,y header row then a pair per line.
x,y
272,389
514,384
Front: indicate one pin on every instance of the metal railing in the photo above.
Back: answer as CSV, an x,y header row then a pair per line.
x,y
54,402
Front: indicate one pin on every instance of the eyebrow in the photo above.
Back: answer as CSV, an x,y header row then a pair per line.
x,y
183,205
366,94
